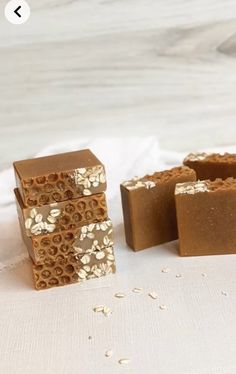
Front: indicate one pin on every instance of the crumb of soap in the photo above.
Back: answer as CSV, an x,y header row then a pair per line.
x,y
204,275
124,361
153,295
163,307
165,270
137,290
120,295
178,276
109,353
224,293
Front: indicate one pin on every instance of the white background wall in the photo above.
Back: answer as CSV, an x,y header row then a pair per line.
x,y
95,67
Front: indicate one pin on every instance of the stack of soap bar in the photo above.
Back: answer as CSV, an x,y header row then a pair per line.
x,y
149,207
212,166
206,214
63,217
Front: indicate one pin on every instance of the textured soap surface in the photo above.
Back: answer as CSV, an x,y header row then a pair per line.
x,y
65,215
57,246
212,165
206,215
149,207
61,177
74,269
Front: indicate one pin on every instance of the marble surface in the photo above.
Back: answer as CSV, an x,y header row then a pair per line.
x,y
118,67
90,68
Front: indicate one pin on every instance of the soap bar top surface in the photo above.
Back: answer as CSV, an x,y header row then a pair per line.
x,y
59,177
158,178
206,216
211,157
41,166
218,185
212,165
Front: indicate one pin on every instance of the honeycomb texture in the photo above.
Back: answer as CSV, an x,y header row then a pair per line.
x,y
66,215
150,181
58,246
220,184
229,158
74,269
62,186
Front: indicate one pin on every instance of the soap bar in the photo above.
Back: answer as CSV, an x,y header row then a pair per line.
x,y
149,207
57,246
64,215
74,269
64,176
206,215
212,165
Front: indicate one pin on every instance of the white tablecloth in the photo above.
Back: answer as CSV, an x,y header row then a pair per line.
x,y
57,331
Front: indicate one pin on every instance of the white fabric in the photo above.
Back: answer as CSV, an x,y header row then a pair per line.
x,y
123,159
47,332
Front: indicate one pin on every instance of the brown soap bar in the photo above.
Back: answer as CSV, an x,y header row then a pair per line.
x,y
57,246
149,207
65,176
206,215
65,215
74,269
212,166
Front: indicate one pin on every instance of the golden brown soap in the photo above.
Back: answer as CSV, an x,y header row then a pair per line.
x,y
149,207
63,218
57,246
60,177
206,215
212,165
74,269
65,215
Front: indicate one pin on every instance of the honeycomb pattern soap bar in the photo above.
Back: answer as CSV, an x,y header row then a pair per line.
x,y
74,269
206,215
149,207
212,165
57,246
61,177
65,215
63,218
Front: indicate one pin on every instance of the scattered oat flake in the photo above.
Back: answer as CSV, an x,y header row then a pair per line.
x,y
165,270
153,295
107,311
120,295
109,353
124,361
137,290
163,307
99,308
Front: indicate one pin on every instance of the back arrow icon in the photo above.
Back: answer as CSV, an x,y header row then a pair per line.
x,y
16,11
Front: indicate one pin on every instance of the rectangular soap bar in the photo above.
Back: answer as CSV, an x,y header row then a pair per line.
x,y
65,215
57,246
74,269
206,215
149,207
61,177
212,165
